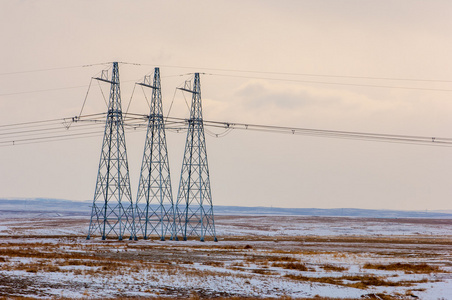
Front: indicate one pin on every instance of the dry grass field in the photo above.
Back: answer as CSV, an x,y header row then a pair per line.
x,y
256,257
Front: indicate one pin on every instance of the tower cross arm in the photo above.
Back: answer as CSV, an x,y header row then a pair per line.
x,y
148,85
187,90
105,80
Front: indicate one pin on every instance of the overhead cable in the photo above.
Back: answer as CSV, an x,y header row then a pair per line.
x,y
301,74
335,83
57,128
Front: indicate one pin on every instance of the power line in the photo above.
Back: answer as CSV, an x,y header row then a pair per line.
x,y
51,69
51,89
44,90
302,74
49,129
13,142
234,70
392,138
93,128
32,122
39,70
335,83
47,122
251,77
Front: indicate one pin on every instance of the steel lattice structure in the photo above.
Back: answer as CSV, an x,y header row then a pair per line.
x,y
154,203
194,208
112,211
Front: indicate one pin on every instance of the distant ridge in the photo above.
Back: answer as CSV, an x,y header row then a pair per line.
x,y
330,212
44,205
57,207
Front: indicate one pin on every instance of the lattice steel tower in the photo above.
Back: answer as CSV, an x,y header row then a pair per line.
x,y
112,211
154,203
194,209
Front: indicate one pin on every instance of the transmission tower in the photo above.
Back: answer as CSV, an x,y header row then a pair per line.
x,y
112,211
194,209
154,203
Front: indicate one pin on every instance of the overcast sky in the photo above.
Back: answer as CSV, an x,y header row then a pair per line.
x,y
378,39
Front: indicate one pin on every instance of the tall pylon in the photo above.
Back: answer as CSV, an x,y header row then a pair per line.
x,y
194,208
154,202
112,211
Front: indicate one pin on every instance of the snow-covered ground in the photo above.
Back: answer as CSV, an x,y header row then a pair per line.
x,y
299,257
331,226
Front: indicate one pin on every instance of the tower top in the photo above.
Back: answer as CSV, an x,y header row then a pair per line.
x,y
196,106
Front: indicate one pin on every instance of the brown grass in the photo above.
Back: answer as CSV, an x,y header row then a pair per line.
x,y
403,240
264,272
291,266
333,268
360,282
217,264
251,257
32,253
36,267
195,296
422,268
281,258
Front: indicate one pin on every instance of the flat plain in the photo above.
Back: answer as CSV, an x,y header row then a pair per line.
x,y
48,256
